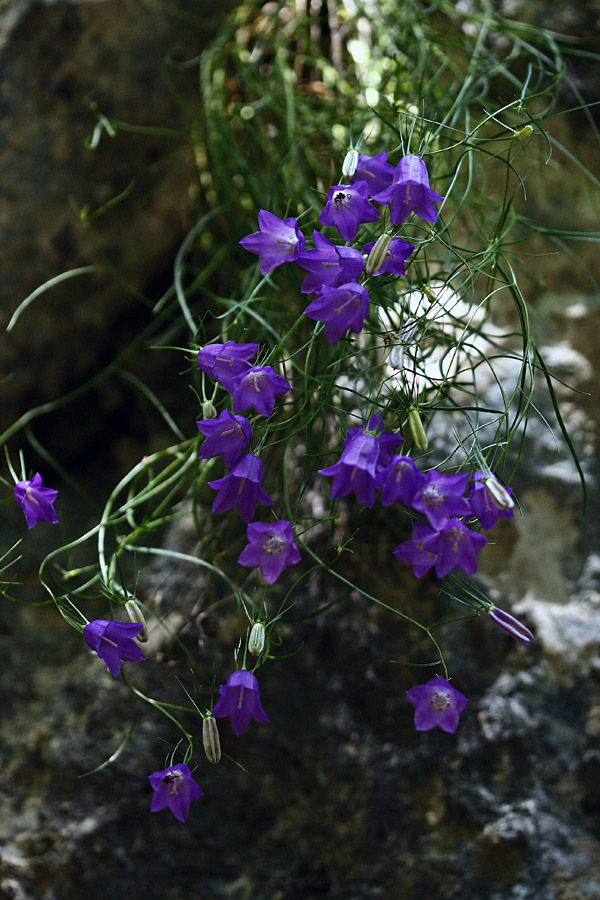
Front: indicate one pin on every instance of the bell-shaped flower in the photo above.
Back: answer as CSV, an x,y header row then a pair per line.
x,y
394,261
257,389
174,789
437,705
441,497
328,263
414,552
226,436
277,241
356,469
490,499
376,171
241,488
347,207
400,480
341,308
113,642
36,501
271,549
410,192
240,700
225,361
456,547
386,440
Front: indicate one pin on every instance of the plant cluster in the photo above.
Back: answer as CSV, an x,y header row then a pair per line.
x,y
397,335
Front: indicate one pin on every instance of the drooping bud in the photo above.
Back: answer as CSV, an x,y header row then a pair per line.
x,y
511,625
210,739
416,429
350,163
396,357
498,493
256,641
431,296
378,253
135,615
523,133
208,410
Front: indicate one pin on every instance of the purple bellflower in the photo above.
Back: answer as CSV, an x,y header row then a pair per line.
x,y
278,241
174,789
226,436
240,700
241,488
490,499
456,547
270,548
511,625
356,469
437,704
225,361
399,480
440,498
414,552
387,440
394,261
376,171
410,192
36,501
113,642
341,308
257,389
329,264
347,207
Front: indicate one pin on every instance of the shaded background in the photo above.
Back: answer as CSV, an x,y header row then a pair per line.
x,y
342,798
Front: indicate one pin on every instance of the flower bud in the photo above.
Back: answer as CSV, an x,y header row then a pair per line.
x,y
431,296
498,493
378,253
511,625
350,163
210,739
416,429
208,410
396,357
256,641
523,133
135,615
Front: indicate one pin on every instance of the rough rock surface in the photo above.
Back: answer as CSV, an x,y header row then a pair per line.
x,y
55,59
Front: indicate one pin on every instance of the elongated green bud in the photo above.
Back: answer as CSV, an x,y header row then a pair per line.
x,y
429,293
135,615
256,641
210,739
416,429
523,133
350,163
378,253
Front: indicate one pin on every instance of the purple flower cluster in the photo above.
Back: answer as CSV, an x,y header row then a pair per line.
x,y
440,539
270,548
443,541
342,301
